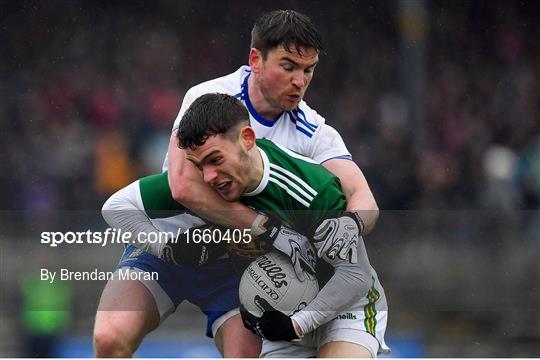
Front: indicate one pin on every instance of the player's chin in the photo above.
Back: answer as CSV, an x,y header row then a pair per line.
x,y
231,194
290,106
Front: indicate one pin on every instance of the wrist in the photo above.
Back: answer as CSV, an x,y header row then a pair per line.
x,y
356,217
265,224
297,328
258,225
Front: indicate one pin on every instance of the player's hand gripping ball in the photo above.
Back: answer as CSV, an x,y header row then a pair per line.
x,y
270,292
293,244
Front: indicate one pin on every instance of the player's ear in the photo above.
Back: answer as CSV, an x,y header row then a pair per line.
x,y
247,137
255,60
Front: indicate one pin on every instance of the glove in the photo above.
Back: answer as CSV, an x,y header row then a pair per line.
x,y
273,325
338,237
293,244
184,252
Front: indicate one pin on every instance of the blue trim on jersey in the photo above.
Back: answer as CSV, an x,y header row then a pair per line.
x,y
294,115
251,109
344,157
304,131
306,125
311,126
309,129
238,96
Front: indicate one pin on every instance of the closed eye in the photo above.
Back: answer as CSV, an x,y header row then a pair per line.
x,y
287,67
216,160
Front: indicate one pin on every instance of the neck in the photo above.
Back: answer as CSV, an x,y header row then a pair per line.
x,y
259,102
256,167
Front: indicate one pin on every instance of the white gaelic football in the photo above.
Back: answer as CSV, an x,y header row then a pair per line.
x,y
271,277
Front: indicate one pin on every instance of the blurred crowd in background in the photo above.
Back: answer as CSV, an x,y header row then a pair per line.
x,y
90,91
441,110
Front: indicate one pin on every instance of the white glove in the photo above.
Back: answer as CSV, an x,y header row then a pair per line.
x,y
291,243
338,237
297,247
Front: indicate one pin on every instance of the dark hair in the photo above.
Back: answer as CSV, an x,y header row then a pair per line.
x,y
285,27
210,114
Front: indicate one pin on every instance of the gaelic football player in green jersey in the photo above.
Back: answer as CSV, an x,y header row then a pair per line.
x,y
340,321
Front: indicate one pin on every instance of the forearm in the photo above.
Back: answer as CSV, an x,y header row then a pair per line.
x,y
189,189
359,197
230,214
366,207
349,283
122,211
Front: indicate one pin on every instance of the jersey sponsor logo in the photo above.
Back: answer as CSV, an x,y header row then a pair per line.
x,y
346,316
273,271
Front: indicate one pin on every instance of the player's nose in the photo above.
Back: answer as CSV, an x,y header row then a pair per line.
x,y
209,174
299,79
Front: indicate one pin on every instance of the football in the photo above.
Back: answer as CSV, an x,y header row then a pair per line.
x,y
271,277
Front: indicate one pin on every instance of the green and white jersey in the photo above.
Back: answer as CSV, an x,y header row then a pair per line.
x,y
146,206
158,204
293,187
156,197
299,191
303,194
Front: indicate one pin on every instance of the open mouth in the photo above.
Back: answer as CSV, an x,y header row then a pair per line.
x,y
294,97
223,186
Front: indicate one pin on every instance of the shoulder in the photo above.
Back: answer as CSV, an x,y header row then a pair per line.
x,y
276,149
294,165
306,120
314,137
156,194
228,84
308,114
155,186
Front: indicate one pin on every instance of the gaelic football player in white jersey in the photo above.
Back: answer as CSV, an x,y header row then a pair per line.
x,y
285,48
284,53
342,320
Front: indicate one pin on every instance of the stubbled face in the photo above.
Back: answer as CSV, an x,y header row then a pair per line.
x,y
284,76
224,165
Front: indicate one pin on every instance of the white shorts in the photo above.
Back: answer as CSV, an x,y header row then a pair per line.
x,y
364,324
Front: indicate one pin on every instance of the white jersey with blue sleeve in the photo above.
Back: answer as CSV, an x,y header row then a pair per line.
x,y
302,129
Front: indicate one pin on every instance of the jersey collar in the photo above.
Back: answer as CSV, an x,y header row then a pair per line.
x,y
266,175
245,95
